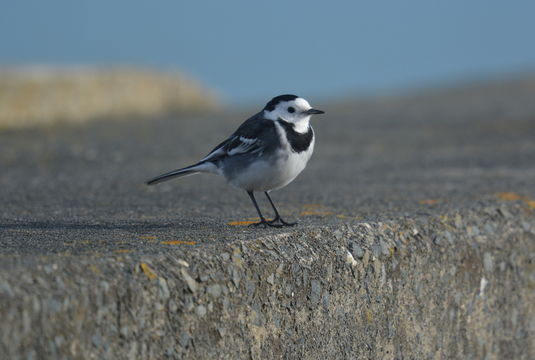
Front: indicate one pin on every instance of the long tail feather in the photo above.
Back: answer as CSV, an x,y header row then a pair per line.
x,y
190,170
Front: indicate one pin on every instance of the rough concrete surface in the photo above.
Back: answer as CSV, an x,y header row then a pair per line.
x,y
416,238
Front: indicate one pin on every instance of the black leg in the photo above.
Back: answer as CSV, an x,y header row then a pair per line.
x,y
263,221
277,216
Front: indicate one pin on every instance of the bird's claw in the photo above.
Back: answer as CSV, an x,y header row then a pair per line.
x,y
265,224
282,222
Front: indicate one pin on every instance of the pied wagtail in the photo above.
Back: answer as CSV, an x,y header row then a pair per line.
x,y
266,153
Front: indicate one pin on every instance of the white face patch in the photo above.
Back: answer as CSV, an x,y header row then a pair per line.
x,y
302,104
292,112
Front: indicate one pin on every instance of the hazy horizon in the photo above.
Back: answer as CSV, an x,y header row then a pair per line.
x,y
252,51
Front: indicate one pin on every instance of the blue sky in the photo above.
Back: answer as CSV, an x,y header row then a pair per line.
x,y
250,51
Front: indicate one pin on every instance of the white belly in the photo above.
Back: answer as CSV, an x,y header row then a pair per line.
x,y
273,175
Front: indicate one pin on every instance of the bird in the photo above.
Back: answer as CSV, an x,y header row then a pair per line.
x,y
265,153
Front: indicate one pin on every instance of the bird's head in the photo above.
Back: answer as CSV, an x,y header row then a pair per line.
x,y
292,109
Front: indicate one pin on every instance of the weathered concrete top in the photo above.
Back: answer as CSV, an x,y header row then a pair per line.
x,y
79,189
416,225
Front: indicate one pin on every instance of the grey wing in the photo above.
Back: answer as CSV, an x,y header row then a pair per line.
x,y
252,137
235,145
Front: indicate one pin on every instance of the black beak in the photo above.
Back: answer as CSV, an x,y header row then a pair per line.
x,y
314,112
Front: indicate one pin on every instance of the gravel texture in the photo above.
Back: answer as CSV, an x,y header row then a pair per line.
x,y
416,237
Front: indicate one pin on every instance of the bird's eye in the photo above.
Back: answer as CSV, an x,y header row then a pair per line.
x,y
291,110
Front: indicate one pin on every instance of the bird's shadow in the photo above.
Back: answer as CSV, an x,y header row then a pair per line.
x,y
64,225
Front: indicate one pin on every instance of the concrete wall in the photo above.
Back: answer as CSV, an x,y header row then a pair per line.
x,y
455,286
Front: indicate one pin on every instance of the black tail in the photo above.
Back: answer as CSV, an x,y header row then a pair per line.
x,y
190,170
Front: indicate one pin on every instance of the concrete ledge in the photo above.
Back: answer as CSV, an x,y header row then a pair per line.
x,y
454,286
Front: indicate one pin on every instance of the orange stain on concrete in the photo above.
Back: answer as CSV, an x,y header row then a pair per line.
x,y
313,206
242,223
342,216
178,242
148,271
510,196
369,316
122,251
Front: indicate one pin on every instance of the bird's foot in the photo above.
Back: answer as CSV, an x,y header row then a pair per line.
x,y
282,222
265,224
